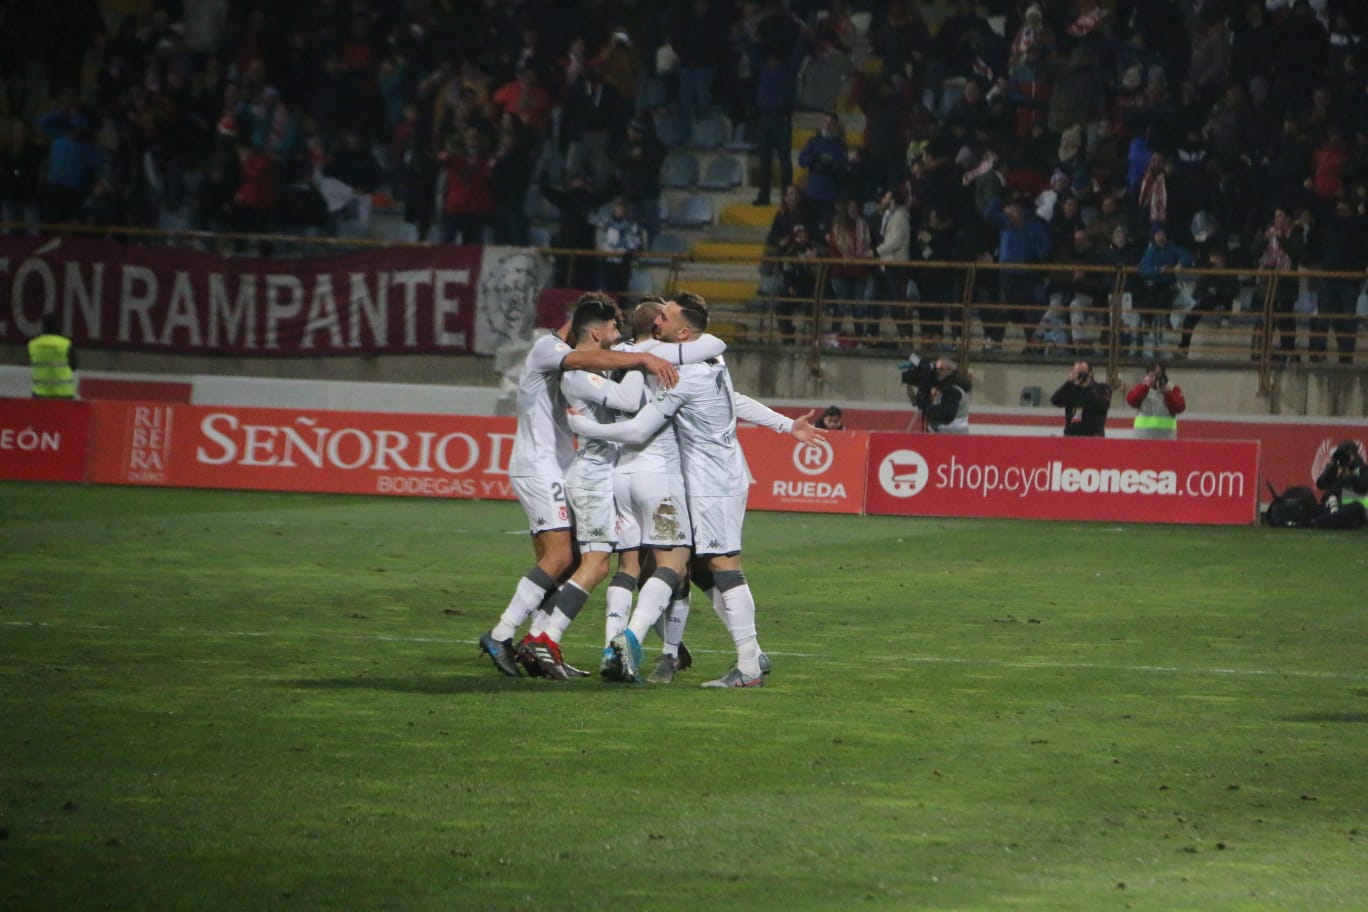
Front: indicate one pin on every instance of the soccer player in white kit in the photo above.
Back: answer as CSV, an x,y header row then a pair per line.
x,y
542,451
589,479
653,521
703,407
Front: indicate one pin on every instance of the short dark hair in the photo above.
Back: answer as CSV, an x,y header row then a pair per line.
x,y
694,308
643,315
592,307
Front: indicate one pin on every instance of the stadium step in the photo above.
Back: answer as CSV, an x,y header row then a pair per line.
x,y
717,249
744,214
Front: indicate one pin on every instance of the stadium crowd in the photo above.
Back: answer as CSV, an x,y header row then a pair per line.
x,y
1153,133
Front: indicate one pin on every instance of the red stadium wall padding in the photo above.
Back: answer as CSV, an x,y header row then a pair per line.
x,y
44,439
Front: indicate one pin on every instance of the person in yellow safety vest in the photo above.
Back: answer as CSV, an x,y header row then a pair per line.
x,y
1158,405
53,362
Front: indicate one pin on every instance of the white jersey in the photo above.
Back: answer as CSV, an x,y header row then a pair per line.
x,y
660,454
703,408
542,444
588,391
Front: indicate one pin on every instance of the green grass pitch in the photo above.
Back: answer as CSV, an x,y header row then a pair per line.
x,y
244,701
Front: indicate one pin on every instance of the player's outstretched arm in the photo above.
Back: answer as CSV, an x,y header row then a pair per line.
x,y
608,360
704,348
636,430
803,429
748,409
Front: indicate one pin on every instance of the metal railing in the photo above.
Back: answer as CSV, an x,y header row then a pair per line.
x,y
978,312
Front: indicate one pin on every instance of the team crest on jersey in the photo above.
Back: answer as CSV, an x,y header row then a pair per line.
x,y
562,514
666,522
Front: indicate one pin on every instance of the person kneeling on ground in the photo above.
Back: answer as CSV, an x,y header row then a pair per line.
x,y
1345,483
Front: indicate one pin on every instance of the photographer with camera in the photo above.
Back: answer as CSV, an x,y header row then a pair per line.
x,y
938,390
1158,405
1345,483
1085,402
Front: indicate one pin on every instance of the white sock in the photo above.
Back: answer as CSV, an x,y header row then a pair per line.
x,y
525,600
556,626
675,620
619,610
739,616
651,604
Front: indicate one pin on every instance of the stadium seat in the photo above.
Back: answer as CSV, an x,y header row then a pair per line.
x,y
653,94
667,242
744,137
679,171
641,282
710,131
670,128
723,173
694,211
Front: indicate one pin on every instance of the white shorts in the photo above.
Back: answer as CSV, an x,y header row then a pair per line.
x,y
595,517
717,523
543,500
652,511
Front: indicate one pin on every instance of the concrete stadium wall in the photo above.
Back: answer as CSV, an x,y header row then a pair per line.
x,y
847,380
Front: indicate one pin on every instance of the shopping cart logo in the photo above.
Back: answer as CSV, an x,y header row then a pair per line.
x,y
903,473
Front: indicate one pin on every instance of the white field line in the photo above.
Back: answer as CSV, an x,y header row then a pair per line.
x,y
914,659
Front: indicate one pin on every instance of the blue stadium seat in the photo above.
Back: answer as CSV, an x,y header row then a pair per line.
x,y
679,171
745,137
668,242
670,128
710,131
723,173
653,94
694,211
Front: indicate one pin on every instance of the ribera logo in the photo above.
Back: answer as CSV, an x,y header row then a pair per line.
x,y
904,473
149,443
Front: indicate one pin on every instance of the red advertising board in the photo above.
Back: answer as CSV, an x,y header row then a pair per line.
x,y
43,439
820,477
146,443
1168,481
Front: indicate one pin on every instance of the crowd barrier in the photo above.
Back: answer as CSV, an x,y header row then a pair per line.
x,y
175,444
194,292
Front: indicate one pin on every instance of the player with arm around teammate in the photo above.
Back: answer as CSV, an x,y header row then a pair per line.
x,y
542,451
703,409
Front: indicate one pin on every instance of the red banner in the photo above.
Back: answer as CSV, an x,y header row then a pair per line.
x,y
1167,481
821,477
43,439
391,300
290,450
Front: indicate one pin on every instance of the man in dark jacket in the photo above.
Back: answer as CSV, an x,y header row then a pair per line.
x,y
1344,248
1085,402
